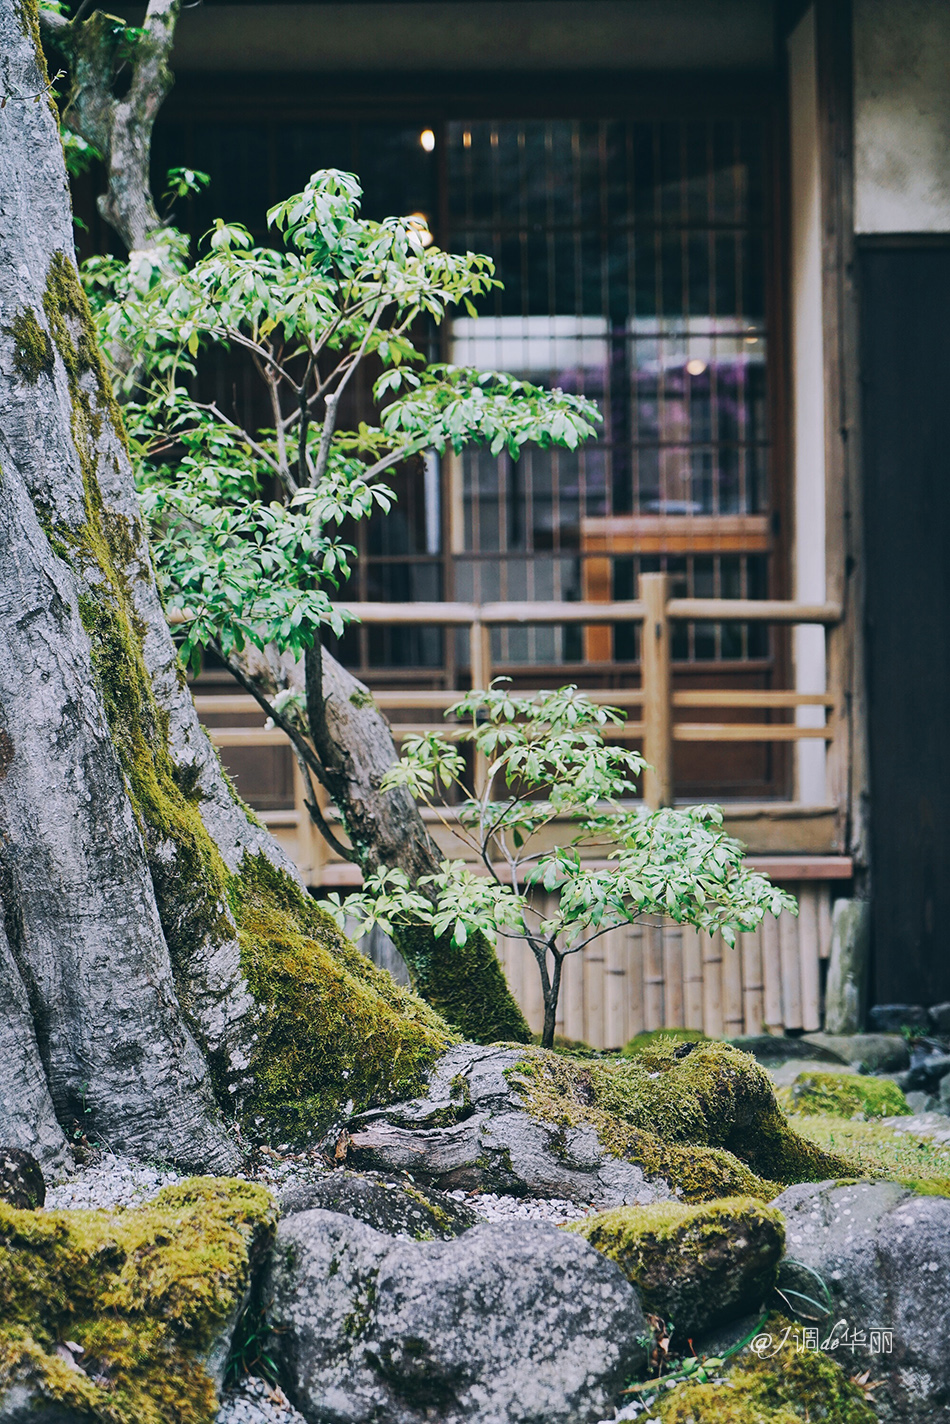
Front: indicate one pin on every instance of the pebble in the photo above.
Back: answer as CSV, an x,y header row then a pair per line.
x,y
110,1182
493,1207
254,1401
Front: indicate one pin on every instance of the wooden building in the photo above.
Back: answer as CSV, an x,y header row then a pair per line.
x,y
728,221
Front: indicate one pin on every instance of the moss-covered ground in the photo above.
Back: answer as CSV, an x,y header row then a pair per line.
x,y
704,1118
785,1387
843,1095
140,1296
880,1151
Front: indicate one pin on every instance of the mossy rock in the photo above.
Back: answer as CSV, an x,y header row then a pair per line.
x,y
397,1208
843,1095
657,1037
789,1387
150,1295
705,1119
694,1266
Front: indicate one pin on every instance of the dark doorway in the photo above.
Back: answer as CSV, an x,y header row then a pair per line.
x,y
905,304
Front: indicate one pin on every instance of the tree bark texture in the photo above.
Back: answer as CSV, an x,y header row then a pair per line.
x,y
101,57
152,931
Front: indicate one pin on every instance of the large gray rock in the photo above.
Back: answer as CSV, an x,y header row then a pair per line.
x,y
514,1323
884,1254
873,1052
471,1129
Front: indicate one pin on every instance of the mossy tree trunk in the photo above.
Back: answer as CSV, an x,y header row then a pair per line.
x,y
165,982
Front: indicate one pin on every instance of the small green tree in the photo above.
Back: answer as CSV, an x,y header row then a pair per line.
x,y
550,773
247,523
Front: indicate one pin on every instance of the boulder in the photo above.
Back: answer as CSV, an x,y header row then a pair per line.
x,y
694,1121
511,1322
884,1254
891,1018
776,1048
939,1015
21,1179
872,1052
695,1266
395,1208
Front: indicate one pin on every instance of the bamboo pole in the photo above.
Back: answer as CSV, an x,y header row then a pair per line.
x,y
594,967
824,922
616,990
771,974
633,945
791,971
673,1006
712,985
573,994
732,1015
752,986
692,978
808,957
655,672
653,979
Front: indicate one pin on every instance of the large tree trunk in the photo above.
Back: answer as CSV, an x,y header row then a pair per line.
x,y
164,981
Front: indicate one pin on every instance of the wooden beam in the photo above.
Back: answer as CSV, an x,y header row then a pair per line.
x,y
748,732
752,610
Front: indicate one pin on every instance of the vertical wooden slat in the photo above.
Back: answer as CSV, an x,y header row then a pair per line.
x,y
732,1017
752,996
824,922
633,953
573,996
712,985
808,957
653,976
673,1008
791,972
692,978
657,691
771,974
533,1001
616,990
594,970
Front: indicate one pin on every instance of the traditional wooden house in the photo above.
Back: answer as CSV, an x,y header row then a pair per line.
x,y
728,221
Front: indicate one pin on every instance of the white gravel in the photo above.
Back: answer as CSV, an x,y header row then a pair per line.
x,y
492,1207
931,1125
112,1181
254,1401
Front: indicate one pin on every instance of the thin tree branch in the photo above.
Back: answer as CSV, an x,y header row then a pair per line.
x,y
316,815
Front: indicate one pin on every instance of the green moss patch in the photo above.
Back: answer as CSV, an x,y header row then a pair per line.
x,y
337,1030
787,1388
658,1037
145,1293
877,1150
705,1119
843,1095
694,1266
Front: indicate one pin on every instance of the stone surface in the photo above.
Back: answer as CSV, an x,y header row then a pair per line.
x,y
891,1018
846,987
874,1052
471,1130
508,1324
884,1254
783,1075
776,1048
23,1405
926,1071
394,1208
695,1266
939,1015
21,1179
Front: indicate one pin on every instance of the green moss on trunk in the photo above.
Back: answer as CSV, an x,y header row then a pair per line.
x,y
466,985
146,1294
331,1028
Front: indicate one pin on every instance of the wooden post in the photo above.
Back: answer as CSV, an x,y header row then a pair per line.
x,y
657,691
480,662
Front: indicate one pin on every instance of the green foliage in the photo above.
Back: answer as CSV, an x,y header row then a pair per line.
x,y
548,763
143,1293
844,1095
238,565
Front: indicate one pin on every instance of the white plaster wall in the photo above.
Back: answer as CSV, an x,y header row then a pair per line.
x,y
902,115
808,397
